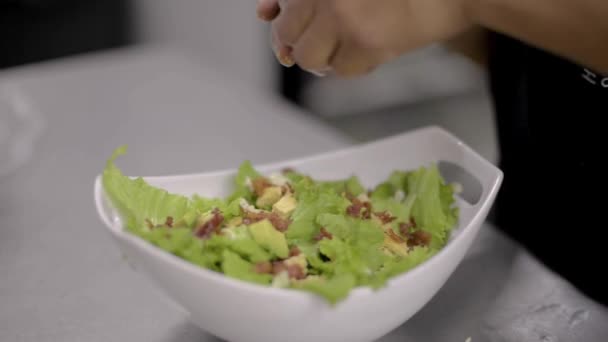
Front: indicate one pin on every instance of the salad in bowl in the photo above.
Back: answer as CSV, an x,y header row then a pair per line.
x,y
288,230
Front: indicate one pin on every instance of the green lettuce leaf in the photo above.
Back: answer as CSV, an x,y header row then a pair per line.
x,y
430,212
399,209
137,201
351,185
236,267
399,180
204,205
313,256
171,240
240,242
246,173
313,200
336,224
415,257
356,251
383,191
448,201
334,289
203,256
250,250
396,266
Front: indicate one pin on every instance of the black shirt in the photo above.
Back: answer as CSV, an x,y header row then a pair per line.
x,y
554,198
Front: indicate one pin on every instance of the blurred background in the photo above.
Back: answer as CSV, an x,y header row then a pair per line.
x,y
431,86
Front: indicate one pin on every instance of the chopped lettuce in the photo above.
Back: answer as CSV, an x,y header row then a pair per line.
x,y
245,175
313,200
334,289
431,210
137,201
396,266
352,185
383,191
344,244
236,267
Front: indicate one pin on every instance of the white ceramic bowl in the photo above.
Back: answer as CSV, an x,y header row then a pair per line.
x,y
239,311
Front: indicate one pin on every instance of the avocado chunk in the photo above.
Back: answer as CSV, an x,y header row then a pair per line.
x,y
285,206
269,197
267,236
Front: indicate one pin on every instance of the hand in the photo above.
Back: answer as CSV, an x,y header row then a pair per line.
x,y
353,37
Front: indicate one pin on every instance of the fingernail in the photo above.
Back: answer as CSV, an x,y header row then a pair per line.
x,y
321,72
283,54
317,73
285,60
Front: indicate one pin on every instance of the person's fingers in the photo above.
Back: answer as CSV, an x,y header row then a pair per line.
x,y
293,19
350,60
281,52
317,44
267,10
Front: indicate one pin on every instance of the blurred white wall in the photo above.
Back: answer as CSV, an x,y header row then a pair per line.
x,y
225,33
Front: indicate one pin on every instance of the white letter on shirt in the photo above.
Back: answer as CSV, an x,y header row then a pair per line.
x,y
590,76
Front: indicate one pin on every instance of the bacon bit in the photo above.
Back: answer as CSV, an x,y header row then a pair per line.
x,y
419,238
279,223
251,217
356,208
367,214
294,251
168,223
259,185
405,228
323,233
295,272
211,226
394,236
385,217
278,267
264,267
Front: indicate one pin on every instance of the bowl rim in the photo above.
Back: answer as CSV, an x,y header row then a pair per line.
x,y
117,230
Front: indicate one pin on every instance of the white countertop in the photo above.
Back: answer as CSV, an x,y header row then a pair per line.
x,y
62,278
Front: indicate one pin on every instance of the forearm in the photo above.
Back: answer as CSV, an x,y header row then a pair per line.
x,y
574,29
